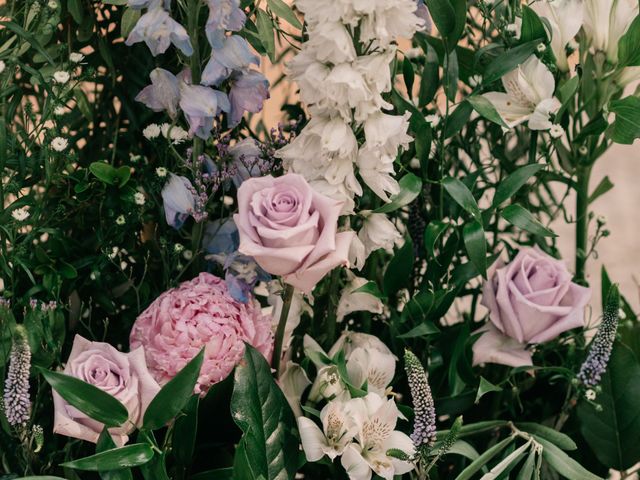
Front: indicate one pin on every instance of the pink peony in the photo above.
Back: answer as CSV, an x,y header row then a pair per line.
x,y
197,313
531,300
122,375
290,229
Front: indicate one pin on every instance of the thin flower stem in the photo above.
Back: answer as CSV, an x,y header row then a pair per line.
x,y
287,296
582,223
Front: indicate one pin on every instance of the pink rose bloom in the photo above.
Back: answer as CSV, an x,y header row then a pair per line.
x,y
530,300
122,375
200,313
290,229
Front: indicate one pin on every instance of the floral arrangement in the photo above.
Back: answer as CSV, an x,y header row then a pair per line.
x,y
368,286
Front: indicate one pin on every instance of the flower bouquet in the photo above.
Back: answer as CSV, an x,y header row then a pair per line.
x,y
313,239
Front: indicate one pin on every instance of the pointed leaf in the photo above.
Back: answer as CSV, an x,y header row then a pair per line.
x,y
523,219
508,187
117,458
463,196
410,188
563,463
476,246
284,11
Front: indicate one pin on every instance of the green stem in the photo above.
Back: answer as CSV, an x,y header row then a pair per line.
x,y
287,296
582,222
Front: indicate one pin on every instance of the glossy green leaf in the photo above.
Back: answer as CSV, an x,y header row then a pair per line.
x,y
614,433
451,77
21,32
432,232
398,272
485,108
371,288
532,27
628,51
129,19
185,431
626,127
76,10
557,438
103,172
484,458
507,462
265,32
88,399
508,61
40,477
174,395
443,15
476,246
410,188
83,104
408,75
105,442
523,219
463,196
508,187
566,93
485,387
603,187
423,330
282,10
526,472
124,457
458,119
260,409
430,79
563,463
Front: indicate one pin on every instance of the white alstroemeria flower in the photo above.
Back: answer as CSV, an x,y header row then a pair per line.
x,y
350,341
529,96
338,430
293,382
328,383
376,419
627,75
565,19
373,367
353,301
378,232
605,21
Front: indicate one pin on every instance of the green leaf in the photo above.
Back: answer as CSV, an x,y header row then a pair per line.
x,y
103,172
523,219
105,442
508,187
76,10
129,19
422,330
476,246
451,77
17,29
432,232
485,108
626,127
84,105
184,432
595,127
284,11
614,433
430,80
566,92
603,187
628,51
410,188
458,119
217,474
122,176
508,61
88,399
398,273
443,15
485,387
484,458
526,472
509,461
417,309
40,477
174,395
409,75
558,438
117,458
371,288
265,32
563,463
532,26
463,196
115,2
260,409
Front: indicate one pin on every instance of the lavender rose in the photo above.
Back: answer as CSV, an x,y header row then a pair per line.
x,y
122,375
530,300
290,229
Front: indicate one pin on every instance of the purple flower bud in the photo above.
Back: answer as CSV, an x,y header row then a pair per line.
x,y
424,422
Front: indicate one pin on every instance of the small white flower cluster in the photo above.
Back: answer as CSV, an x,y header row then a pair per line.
x,y
174,133
358,429
342,71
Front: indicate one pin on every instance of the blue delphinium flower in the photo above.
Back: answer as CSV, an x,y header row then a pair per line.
x,y
247,159
248,92
200,106
234,55
178,200
158,30
162,94
223,15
